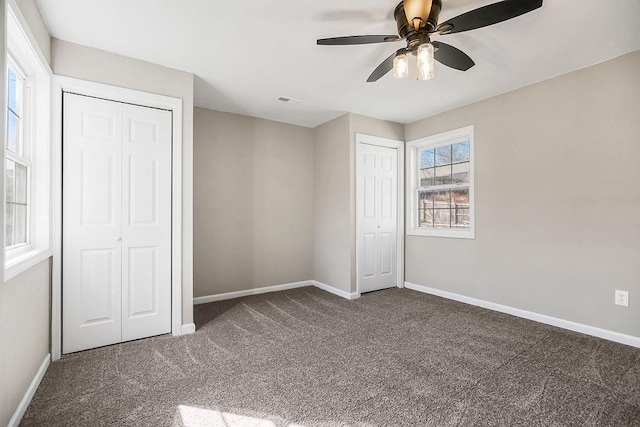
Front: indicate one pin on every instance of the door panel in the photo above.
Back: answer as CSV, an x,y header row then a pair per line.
x,y
386,203
377,217
370,197
142,191
369,255
386,253
142,268
91,221
97,183
146,229
97,284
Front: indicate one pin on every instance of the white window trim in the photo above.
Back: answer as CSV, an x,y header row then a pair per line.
x,y
25,52
447,138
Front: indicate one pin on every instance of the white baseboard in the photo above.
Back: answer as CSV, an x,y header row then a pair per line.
x,y
248,292
31,391
335,291
267,289
188,328
536,317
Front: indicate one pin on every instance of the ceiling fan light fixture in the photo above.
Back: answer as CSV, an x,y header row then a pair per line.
x,y
426,62
400,66
418,20
417,12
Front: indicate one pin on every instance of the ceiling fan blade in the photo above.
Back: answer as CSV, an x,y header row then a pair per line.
x,y
385,67
452,56
488,15
353,40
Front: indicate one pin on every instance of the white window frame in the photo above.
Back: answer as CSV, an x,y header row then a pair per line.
x,y
413,182
24,159
23,52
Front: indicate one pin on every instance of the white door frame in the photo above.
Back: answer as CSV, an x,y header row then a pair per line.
x,y
362,139
81,87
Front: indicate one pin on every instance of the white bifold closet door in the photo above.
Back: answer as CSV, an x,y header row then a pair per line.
x,y
116,227
377,211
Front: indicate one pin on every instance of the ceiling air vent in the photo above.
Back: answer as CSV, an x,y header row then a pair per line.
x,y
287,99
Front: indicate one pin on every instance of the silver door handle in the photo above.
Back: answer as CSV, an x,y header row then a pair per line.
x,y
118,238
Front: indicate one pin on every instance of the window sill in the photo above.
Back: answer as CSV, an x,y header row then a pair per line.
x,y
21,261
452,234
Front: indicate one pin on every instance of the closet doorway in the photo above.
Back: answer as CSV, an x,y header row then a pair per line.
x,y
116,222
379,213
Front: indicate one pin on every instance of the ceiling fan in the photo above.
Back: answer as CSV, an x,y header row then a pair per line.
x,y
417,22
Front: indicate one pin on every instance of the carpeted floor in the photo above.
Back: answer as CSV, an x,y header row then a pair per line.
x,y
307,358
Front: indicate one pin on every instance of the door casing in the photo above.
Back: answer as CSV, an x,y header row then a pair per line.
x,y
362,139
82,87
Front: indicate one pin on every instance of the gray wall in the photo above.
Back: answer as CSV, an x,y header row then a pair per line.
x,y
557,199
72,60
36,24
275,203
334,195
253,203
24,330
331,204
24,300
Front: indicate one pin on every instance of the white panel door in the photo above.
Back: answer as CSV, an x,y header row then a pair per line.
x,y
116,255
146,222
377,217
91,273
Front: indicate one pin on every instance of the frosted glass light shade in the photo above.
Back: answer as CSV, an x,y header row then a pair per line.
x,y
400,66
426,62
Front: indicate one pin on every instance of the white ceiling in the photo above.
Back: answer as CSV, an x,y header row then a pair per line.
x,y
247,53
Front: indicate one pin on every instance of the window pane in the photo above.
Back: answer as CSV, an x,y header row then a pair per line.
x,y
460,173
443,155
9,220
12,90
16,205
460,198
15,181
21,184
10,180
426,198
13,132
460,219
426,177
425,218
460,209
461,152
425,208
427,159
442,199
434,208
442,218
20,224
443,175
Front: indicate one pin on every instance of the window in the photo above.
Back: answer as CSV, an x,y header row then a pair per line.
x,y
440,171
17,165
27,147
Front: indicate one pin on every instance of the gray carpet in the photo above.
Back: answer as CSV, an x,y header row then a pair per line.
x,y
307,358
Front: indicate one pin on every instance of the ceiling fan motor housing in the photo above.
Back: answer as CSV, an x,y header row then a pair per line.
x,y
406,29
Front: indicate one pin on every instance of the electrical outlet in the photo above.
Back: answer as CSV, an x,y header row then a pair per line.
x,y
622,298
